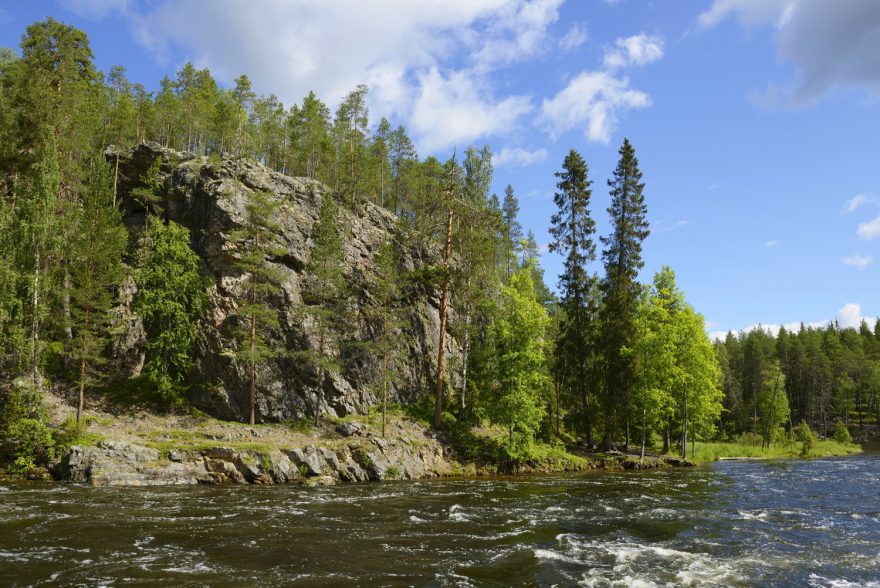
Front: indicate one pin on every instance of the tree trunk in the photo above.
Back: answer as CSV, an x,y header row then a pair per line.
x,y
465,353
684,426
384,366
319,396
438,391
666,435
644,426
82,390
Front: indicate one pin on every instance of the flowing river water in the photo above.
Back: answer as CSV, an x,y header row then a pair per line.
x,y
735,523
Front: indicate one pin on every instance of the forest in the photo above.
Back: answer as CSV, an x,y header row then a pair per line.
x,y
596,357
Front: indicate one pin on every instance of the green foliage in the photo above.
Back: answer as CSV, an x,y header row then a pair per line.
x,y
392,472
255,317
805,436
519,337
171,297
72,433
772,402
95,269
841,433
25,436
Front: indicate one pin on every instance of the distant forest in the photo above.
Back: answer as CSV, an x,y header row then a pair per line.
x,y
608,360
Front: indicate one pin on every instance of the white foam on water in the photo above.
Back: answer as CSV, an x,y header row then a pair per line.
x,y
198,568
760,515
628,563
456,514
818,581
415,519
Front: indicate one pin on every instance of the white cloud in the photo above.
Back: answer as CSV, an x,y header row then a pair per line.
x,y
453,110
637,50
594,99
575,37
516,31
519,156
858,201
771,243
859,261
869,230
831,44
409,61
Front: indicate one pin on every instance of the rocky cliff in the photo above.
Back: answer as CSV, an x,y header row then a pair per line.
x,y
208,196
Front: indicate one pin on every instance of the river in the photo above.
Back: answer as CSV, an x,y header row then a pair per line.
x,y
742,523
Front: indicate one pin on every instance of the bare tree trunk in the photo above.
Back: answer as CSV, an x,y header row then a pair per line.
x,y
644,426
444,298
666,436
252,387
319,395
116,176
384,366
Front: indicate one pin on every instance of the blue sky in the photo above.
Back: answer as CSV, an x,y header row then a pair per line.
x,y
755,121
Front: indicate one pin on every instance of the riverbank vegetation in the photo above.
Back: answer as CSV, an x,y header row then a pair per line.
x,y
606,363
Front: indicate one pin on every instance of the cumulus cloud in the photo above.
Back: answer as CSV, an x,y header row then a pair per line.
x,y
830,44
594,99
575,37
462,109
639,49
858,201
859,261
411,61
519,156
869,230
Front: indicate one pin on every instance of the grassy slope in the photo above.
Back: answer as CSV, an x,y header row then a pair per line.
x,y
715,451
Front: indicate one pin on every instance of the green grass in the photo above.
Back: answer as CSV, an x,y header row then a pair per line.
x,y
706,452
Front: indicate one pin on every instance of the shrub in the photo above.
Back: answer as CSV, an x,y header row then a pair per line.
x,y
841,433
805,436
25,437
392,472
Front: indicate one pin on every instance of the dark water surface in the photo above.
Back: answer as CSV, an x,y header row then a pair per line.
x,y
785,523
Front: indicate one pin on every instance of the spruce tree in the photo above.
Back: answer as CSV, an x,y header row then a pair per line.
x,y
170,298
95,272
255,316
622,258
572,229
514,235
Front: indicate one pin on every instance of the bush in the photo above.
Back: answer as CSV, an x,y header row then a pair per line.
x,y
841,433
805,436
25,437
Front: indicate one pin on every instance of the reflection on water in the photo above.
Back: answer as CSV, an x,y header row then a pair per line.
x,y
792,523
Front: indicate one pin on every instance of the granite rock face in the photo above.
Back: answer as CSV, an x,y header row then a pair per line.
x,y
208,196
359,460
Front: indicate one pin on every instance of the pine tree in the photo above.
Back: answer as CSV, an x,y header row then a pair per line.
x,y
323,290
255,316
572,229
622,258
95,271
